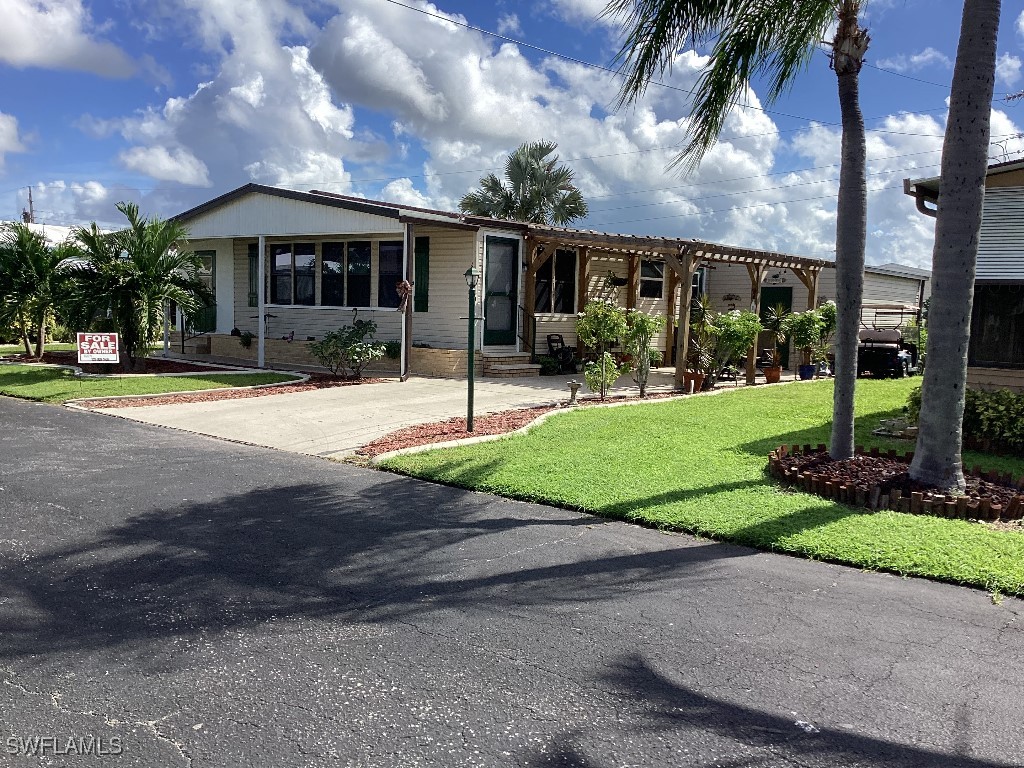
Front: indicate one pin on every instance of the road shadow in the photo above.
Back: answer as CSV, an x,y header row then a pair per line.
x,y
394,549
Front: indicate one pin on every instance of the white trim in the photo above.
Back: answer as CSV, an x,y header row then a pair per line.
x,y
261,302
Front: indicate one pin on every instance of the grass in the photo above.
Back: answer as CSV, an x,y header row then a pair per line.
x,y
57,385
17,349
698,465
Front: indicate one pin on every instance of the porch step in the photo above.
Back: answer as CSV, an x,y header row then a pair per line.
x,y
510,371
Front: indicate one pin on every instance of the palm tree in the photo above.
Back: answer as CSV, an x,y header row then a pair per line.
x,y
536,189
130,275
937,459
31,280
775,38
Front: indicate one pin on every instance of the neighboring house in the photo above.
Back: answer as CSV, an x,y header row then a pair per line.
x,y
55,235
327,258
996,352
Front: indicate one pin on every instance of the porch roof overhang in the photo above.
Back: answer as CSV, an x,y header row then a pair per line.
x,y
658,248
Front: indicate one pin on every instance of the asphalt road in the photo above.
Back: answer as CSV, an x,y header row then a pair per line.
x,y
172,600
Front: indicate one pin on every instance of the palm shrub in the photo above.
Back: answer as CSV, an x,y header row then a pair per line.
x,y
640,331
348,347
774,321
805,330
130,276
598,326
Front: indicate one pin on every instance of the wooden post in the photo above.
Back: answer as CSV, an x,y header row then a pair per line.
x,y
684,266
670,316
756,273
534,261
809,277
633,282
582,286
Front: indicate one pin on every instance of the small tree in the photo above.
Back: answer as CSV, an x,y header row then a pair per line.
x,y
774,321
737,333
599,325
640,331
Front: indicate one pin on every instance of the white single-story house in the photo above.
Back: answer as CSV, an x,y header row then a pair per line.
x,y
309,262
995,356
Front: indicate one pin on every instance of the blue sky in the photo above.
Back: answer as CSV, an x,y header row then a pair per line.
x,y
172,102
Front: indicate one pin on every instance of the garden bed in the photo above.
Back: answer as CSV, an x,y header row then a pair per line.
x,y
153,364
882,481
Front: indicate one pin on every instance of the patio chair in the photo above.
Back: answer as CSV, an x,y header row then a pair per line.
x,y
564,356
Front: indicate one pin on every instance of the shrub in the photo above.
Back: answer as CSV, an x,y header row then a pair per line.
x,y
997,416
805,329
245,339
640,331
548,365
347,348
392,349
602,373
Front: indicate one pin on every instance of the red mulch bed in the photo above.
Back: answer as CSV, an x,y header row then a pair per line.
x,y
316,381
894,474
453,429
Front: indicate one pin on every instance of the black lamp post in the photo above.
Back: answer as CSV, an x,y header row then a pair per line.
x,y
472,280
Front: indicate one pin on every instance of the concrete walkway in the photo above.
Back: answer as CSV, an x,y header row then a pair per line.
x,y
335,422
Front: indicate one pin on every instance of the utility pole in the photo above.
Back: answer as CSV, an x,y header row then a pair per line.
x,y
29,216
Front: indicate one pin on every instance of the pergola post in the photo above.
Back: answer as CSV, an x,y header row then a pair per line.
x,y
684,266
632,281
670,316
582,286
809,277
537,255
409,269
757,273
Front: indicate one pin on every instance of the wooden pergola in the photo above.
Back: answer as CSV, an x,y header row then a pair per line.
x,y
683,257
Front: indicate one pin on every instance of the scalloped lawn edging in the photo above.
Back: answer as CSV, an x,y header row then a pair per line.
x,y
990,496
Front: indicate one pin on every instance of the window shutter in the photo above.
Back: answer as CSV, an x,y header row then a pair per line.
x,y
254,277
421,278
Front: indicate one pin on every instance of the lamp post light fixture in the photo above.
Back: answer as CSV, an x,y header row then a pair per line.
x,y
472,280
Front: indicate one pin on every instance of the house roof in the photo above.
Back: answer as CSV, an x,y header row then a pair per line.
x,y
650,245
899,270
929,187
53,233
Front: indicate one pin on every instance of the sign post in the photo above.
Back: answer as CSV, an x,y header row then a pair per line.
x,y
98,348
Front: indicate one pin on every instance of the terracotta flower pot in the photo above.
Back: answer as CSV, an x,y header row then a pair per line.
x,y
773,374
693,381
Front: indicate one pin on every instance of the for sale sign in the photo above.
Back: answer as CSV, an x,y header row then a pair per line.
x,y
98,348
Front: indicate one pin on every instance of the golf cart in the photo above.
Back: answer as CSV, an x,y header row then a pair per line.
x,y
883,350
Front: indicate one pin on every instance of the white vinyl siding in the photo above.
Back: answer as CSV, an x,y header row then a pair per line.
x,y
1001,249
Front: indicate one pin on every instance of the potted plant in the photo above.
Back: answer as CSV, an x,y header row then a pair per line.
x,y
775,323
805,329
737,333
700,352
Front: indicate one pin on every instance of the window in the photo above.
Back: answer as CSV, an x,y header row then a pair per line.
x,y
332,275
421,278
357,274
389,272
652,279
697,287
997,326
555,287
293,274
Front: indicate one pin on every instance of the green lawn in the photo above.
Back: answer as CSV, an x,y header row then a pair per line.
x,y
57,385
698,465
17,349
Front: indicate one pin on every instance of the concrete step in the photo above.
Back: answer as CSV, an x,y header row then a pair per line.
x,y
509,371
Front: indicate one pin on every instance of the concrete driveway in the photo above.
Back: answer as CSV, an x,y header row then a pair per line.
x,y
335,422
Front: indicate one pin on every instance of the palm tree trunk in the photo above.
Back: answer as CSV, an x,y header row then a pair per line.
x,y
937,459
41,336
851,226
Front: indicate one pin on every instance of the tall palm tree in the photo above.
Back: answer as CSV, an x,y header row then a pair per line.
x,y
775,38
130,276
536,189
957,227
31,277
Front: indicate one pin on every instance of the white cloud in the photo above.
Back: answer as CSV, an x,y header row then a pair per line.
x,y
587,12
79,203
175,164
55,34
10,141
1008,69
1020,24
508,24
929,57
